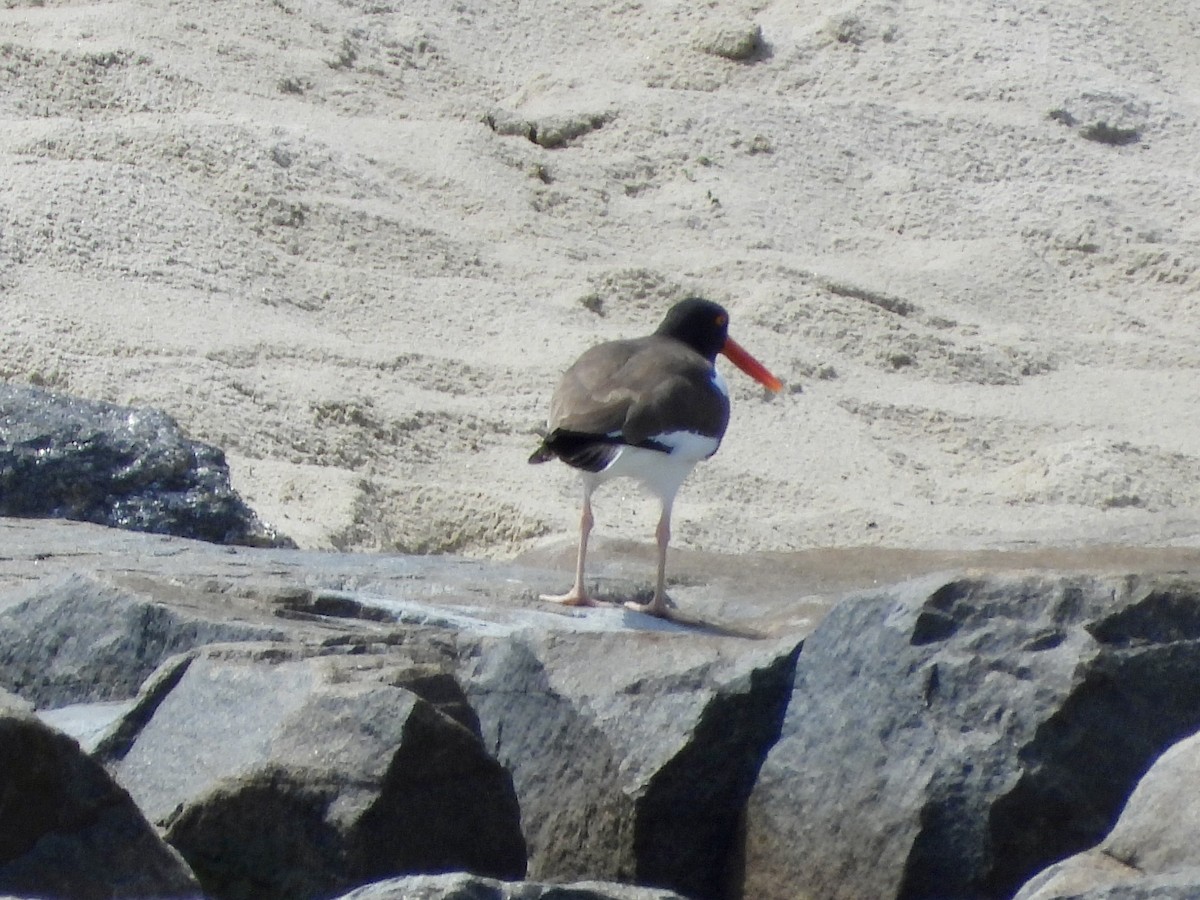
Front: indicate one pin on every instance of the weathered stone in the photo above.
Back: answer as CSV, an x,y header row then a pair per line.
x,y
632,758
279,773
67,830
127,467
307,592
78,639
1154,848
1184,885
737,41
951,739
966,723
461,886
549,130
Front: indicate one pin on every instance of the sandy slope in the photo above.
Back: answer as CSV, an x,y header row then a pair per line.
x,y
290,225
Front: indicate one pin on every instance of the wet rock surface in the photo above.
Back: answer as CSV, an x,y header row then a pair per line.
x,y
127,467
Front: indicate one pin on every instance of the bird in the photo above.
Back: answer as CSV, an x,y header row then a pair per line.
x,y
647,408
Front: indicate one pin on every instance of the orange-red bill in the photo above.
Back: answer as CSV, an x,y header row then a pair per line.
x,y
751,366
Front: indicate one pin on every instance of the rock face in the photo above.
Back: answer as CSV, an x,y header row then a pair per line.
x,y
75,639
67,830
282,774
633,759
953,738
113,465
461,886
350,736
1154,850
306,725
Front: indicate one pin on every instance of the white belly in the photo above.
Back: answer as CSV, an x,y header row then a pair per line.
x,y
660,473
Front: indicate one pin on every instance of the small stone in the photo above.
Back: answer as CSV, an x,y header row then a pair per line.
x,y
734,41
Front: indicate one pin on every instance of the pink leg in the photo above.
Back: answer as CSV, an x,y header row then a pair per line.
x,y
658,606
577,595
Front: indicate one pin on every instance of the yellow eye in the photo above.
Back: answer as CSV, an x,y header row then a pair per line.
x,y
722,321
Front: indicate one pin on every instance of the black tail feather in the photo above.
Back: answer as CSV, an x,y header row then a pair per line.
x,y
590,452
541,454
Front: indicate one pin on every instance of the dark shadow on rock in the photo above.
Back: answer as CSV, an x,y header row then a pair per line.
x,y
288,772
67,830
688,822
632,759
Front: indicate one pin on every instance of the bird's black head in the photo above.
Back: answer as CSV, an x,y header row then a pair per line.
x,y
701,324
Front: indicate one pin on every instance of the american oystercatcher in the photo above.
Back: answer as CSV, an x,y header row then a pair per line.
x,y
647,408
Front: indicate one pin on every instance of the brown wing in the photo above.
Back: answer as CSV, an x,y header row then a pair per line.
x,y
639,388
591,398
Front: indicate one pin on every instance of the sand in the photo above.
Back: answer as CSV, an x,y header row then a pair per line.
x,y
319,235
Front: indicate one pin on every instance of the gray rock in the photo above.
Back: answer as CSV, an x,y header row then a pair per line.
x,y
70,458
1183,885
632,757
938,730
68,831
280,773
312,593
462,886
952,739
1154,849
80,640
737,41
88,723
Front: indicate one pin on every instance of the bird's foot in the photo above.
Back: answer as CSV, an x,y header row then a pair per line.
x,y
572,597
660,607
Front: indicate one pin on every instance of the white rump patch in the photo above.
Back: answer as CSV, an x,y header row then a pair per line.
x,y
689,445
660,473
